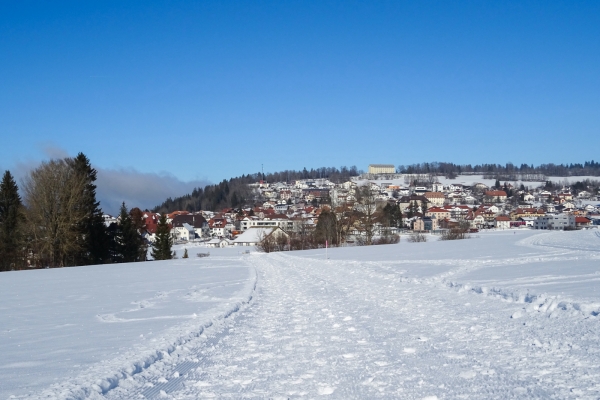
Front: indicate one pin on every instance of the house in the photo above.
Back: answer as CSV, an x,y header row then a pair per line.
x,y
183,232
416,201
581,222
425,224
254,235
458,212
197,221
527,212
435,198
438,213
109,219
528,197
502,222
217,243
273,220
555,222
527,221
281,208
172,215
564,197
478,221
217,227
496,196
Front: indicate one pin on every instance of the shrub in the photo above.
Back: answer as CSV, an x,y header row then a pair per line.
x,y
387,239
417,237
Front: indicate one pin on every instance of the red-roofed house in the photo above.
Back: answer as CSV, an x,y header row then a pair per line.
x,y
502,222
580,222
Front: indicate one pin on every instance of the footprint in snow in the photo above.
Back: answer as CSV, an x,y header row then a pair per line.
x,y
409,350
468,374
326,390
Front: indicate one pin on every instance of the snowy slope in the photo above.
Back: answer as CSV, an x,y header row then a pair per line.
x,y
502,315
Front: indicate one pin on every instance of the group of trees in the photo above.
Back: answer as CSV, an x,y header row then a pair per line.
x,y
509,171
58,222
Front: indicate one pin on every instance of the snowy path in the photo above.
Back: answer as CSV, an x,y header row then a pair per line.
x,y
356,329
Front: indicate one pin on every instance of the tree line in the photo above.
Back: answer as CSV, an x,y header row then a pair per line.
x,y
588,168
59,223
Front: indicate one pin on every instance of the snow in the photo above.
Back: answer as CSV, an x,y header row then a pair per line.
x,y
253,235
93,322
470,180
506,314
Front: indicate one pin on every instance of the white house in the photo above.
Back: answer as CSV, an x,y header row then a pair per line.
x,y
502,222
555,222
184,232
218,243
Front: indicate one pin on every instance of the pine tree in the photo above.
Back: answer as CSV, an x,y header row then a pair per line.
x,y
11,221
161,248
94,239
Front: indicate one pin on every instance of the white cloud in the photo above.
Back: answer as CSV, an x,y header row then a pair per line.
x,y
117,185
138,189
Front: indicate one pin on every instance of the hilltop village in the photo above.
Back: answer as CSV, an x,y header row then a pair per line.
x,y
392,203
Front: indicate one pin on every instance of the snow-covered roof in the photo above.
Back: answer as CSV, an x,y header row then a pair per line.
x,y
253,235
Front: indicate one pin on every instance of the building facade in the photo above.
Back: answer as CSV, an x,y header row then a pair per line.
x,y
555,222
382,169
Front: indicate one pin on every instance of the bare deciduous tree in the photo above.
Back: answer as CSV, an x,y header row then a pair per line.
x,y
367,206
53,196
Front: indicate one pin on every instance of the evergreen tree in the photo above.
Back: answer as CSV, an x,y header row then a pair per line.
x,y
129,240
161,248
393,215
94,239
11,219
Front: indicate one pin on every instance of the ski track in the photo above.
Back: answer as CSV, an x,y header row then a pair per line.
x,y
342,329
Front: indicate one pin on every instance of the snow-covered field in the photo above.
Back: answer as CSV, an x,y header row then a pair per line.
x,y
506,314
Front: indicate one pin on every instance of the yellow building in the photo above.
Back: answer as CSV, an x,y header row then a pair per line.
x,y
382,169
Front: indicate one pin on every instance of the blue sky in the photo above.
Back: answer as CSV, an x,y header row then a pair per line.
x,y
202,91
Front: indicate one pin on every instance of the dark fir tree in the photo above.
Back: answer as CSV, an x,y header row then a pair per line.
x,y
129,240
392,215
94,239
137,218
161,248
11,221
